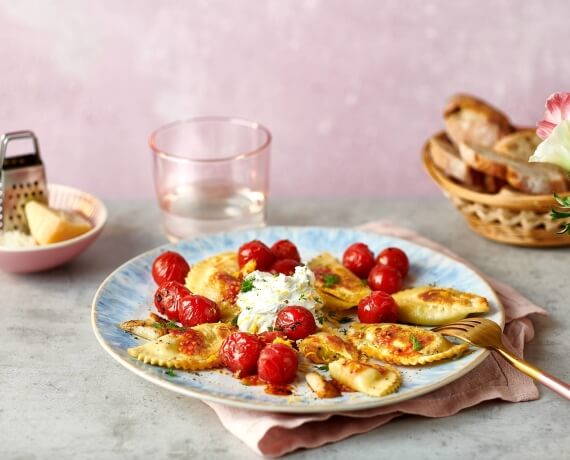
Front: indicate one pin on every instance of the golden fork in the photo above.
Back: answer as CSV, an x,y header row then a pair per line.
x,y
484,333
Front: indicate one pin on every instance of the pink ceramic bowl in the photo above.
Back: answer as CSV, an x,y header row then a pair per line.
x,y
27,260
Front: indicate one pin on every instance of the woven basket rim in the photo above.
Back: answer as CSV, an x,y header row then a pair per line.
x,y
541,203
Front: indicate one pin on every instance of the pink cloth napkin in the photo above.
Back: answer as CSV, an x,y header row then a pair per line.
x,y
273,434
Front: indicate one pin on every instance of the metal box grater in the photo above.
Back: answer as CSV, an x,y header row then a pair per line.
x,y
22,178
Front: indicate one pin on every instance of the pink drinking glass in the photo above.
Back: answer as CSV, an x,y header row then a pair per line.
x,y
211,174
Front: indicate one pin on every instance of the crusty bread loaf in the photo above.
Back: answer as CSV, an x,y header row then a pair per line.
x,y
471,120
527,177
519,145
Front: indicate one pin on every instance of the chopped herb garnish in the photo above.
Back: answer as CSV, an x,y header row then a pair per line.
x,y
324,367
320,318
432,284
330,280
171,373
168,325
302,297
235,320
247,285
342,331
416,344
345,320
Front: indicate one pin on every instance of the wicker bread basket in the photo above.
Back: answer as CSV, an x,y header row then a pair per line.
x,y
506,217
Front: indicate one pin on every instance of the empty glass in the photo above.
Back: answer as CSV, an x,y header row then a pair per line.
x,y
211,174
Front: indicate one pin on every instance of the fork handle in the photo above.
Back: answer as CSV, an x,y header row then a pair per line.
x,y
549,381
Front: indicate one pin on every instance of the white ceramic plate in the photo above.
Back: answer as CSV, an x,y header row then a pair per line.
x,y
128,292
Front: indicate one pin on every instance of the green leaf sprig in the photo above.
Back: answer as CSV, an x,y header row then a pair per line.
x,y
416,344
330,280
247,285
557,214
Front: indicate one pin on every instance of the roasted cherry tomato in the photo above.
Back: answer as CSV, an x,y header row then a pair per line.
x,y
296,322
285,266
197,309
170,266
378,307
268,337
359,259
395,258
256,250
167,297
277,364
385,278
239,353
284,249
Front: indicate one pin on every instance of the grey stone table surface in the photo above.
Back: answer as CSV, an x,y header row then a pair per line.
x,y
62,396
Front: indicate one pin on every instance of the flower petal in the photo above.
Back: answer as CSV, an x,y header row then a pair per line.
x,y
557,110
544,128
555,148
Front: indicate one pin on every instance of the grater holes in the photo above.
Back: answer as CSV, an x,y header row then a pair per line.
x,y
36,183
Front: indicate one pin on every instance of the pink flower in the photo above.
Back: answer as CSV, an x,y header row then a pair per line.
x,y
557,110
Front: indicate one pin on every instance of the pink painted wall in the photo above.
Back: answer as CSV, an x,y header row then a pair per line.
x,y
350,89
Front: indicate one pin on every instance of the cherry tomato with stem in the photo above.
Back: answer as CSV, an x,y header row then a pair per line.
x,y
359,259
277,364
167,297
258,251
170,266
196,309
385,278
285,249
395,258
295,322
378,307
240,352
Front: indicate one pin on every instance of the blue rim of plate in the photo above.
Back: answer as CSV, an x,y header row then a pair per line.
x,y
127,294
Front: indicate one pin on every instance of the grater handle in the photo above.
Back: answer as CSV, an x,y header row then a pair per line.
x,y
17,135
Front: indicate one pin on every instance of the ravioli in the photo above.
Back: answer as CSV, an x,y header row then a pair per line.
x,y
324,347
321,387
339,288
372,379
192,349
402,344
218,278
434,306
150,328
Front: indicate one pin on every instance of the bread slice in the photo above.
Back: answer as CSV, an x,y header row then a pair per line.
x,y
473,121
533,178
519,145
445,156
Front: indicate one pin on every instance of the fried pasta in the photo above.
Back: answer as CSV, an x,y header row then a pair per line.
x,y
192,349
402,344
434,306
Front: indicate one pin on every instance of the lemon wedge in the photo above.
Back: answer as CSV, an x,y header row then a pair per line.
x,y
49,225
